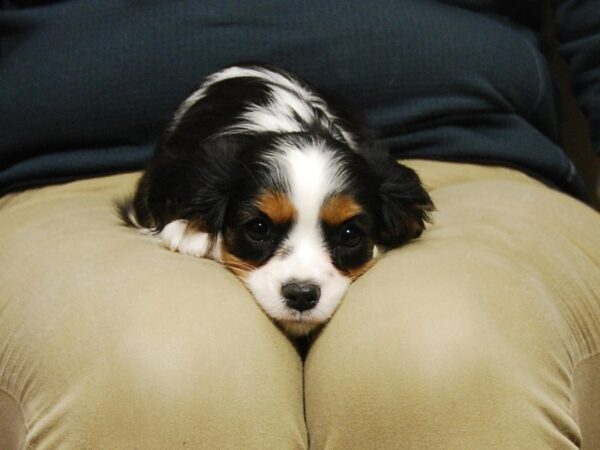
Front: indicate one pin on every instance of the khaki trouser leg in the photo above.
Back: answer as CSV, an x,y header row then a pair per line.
x,y
109,341
470,337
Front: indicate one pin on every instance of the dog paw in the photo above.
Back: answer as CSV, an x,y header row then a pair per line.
x,y
177,237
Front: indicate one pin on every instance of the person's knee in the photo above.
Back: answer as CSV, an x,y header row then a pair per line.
x,y
428,350
422,341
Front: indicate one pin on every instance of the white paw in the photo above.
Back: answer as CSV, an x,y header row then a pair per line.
x,y
195,244
176,237
173,234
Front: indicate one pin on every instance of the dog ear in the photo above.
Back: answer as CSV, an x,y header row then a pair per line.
x,y
404,203
212,183
194,185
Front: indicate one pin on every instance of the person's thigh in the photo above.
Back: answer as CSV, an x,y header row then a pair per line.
x,y
107,340
469,337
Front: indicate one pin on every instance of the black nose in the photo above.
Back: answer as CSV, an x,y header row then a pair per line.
x,y
301,295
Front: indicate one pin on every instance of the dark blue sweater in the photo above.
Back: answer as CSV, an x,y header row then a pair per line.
x,y
86,86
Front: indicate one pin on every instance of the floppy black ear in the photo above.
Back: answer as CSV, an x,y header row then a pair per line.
x,y
404,203
212,182
193,184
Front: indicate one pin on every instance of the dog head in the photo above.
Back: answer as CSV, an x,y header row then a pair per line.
x,y
299,216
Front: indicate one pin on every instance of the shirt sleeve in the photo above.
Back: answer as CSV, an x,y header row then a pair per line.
x,y
578,29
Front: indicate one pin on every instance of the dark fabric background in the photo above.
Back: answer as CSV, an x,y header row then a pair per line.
x,y
87,86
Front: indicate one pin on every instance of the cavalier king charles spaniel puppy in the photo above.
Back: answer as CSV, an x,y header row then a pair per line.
x,y
258,171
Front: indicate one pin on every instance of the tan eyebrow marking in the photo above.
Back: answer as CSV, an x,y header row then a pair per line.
x,y
339,208
277,206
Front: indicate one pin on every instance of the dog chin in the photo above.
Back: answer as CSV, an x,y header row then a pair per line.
x,y
296,323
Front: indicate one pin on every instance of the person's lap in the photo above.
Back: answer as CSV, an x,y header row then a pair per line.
x,y
110,341
467,338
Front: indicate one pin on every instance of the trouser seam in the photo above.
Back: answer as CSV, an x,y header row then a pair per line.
x,y
304,406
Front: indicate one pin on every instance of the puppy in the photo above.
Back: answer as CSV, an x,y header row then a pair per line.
x,y
259,172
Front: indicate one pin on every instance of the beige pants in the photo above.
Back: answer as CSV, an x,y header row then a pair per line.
x,y
483,334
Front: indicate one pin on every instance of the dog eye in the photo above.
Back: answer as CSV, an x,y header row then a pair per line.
x,y
257,229
350,236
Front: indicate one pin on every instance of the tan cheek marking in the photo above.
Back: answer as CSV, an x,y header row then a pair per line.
x,y
277,207
237,265
339,208
356,272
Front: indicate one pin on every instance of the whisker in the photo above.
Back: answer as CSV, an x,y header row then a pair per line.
x,y
354,277
235,264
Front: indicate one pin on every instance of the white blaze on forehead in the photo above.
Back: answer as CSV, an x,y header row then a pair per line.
x,y
313,173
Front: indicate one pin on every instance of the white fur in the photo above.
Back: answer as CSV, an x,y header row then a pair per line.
x,y
312,178
376,252
172,234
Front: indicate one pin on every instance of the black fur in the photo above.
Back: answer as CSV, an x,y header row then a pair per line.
x,y
404,204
